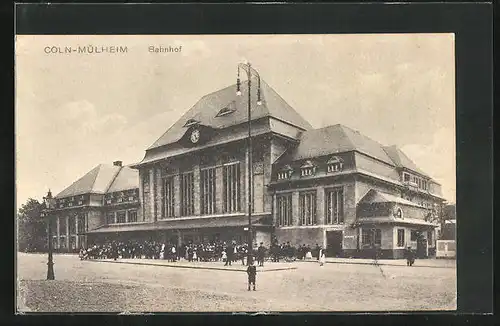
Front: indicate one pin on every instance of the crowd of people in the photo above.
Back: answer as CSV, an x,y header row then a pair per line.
x,y
227,252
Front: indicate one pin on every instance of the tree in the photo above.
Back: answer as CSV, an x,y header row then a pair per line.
x,y
31,228
440,214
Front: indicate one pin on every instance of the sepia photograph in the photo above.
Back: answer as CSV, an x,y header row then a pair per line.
x,y
235,173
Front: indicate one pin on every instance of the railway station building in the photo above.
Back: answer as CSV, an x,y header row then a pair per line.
x,y
330,186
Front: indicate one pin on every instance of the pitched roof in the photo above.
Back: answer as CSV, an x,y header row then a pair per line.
x,y
336,139
207,108
96,180
401,160
127,178
373,196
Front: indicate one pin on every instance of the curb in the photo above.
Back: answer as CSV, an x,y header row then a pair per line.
x,y
371,263
192,267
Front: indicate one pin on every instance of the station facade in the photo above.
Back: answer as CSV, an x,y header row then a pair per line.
x,y
330,186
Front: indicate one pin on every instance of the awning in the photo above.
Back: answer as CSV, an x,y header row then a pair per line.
x,y
391,220
181,223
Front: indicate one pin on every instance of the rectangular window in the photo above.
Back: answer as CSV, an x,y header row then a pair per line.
x,y
378,237
406,177
231,191
207,194
168,197
401,237
414,235
132,216
62,225
81,223
307,206
187,194
121,217
110,218
366,237
335,206
284,209
371,237
72,225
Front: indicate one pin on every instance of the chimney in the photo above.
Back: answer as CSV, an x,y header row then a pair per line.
x,y
117,163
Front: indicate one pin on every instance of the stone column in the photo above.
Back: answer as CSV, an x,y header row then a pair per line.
x,y
275,210
141,195
320,206
179,238
152,194
58,232
126,216
295,208
67,232
219,188
77,243
177,195
160,189
196,190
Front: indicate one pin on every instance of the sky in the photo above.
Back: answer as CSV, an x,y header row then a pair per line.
x,y
77,110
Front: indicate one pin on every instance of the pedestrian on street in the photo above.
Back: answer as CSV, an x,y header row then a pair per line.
x,y
261,252
410,257
321,257
229,253
252,273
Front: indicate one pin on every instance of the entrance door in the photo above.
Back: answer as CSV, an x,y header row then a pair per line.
x,y
421,247
334,243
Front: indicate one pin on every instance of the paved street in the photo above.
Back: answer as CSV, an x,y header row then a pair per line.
x,y
103,286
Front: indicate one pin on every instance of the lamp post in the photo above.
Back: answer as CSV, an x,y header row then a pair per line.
x,y
247,67
49,202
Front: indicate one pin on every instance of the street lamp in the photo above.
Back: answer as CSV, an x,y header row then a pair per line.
x,y
49,202
247,67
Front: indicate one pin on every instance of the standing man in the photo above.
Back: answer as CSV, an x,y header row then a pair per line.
x,y
230,254
261,252
252,273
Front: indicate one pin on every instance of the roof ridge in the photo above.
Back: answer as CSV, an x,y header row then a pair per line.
x,y
266,85
343,128
113,179
97,167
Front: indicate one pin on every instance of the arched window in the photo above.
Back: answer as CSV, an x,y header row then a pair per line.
x,y
334,164
398,213
307,169
191,122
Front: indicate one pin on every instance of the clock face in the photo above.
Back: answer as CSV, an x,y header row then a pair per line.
x,y
195,136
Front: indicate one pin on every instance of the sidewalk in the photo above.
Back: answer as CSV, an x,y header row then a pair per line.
x,y
235,267
430,262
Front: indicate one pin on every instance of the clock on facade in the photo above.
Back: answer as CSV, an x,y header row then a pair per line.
x,y
195,136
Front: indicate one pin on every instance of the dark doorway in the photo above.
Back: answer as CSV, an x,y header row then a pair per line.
x,y
421,247
334,243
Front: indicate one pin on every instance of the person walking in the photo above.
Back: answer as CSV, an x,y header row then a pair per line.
x,y
321,257
252,275
261,253
410,257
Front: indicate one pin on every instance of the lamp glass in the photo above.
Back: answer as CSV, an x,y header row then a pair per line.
x,y
238,93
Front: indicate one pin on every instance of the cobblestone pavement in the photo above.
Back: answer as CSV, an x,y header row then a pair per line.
x,y
90,286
